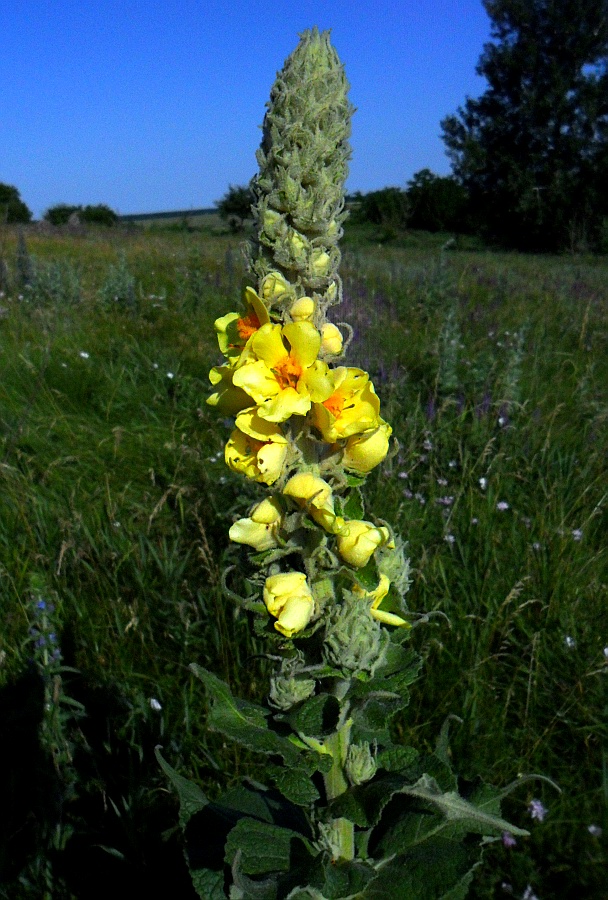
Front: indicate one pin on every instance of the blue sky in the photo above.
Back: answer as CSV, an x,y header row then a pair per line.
x,y
156,105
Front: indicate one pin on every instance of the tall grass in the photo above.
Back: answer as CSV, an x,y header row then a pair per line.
x,y
492,370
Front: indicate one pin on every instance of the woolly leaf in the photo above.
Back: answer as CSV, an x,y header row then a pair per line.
x,y
317,716
264,848
191,798
441,871
243,722
354,508
294,784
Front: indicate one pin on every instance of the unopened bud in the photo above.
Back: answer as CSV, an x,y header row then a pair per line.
x,y
360,763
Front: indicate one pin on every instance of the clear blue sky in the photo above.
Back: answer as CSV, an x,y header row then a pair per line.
x,y
151,105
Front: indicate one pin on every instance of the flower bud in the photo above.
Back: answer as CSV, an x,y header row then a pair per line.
x,y
360,763
260,529
315,495
354,642
320,262
358,540
274,285
331,339
364,451
287,691
303,309
289,599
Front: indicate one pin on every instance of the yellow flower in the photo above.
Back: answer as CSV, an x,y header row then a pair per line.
x,y
256,448
227,398
289,599
364,451
286,376
331,339
352,408
315,495
260,529
302,309
358,540
377,596
234,330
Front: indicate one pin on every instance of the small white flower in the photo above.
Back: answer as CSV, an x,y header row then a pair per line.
x,y
536,545
577,534
427,444
155,365
452,464
502,421
605,652
442,482
116,524
450,538
83,354
403,475
502,505
419,497
154,704
569,642
170,375
483,483
474,521
595,830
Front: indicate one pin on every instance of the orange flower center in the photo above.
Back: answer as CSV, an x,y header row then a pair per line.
x,y
247,326
334,404
287,373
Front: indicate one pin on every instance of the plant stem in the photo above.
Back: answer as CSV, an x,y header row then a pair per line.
x,y
343,832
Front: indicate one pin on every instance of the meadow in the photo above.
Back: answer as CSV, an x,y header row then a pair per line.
x,y
115,505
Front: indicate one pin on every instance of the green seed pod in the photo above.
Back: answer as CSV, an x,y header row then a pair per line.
x,y
360,763
303,160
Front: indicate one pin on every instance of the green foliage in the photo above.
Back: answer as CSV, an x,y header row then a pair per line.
x,y
12,208
119,287
532,151
389,207
100,214
111,479
60,213
437,203
235,206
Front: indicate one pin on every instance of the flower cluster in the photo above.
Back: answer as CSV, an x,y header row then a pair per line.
x,y
302,425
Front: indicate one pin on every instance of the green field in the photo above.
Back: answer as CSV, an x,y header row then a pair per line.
x,y
116,503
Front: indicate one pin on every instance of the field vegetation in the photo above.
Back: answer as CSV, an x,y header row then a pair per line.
x,y
116,503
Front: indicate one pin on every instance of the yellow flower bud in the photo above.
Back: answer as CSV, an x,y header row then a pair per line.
x,y
358,540
302,309
364,451
274,285
331,339
315,495
289,599
320,262
259,530
377,596
297,245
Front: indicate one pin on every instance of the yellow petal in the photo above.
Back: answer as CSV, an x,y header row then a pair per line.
x,y
305,342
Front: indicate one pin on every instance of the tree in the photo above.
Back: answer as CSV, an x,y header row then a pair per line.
x,y
235,205
60,213
99,215
532,151
437,203
12,207
387,207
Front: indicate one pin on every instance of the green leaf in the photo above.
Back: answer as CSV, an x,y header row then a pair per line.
x,y
191,798
355,480
346,879
354,508
317,716
208,885
363,805
243,722
264,848
440,871
295,784
396,759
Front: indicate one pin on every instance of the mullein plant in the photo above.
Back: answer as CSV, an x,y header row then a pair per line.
x,y
344,811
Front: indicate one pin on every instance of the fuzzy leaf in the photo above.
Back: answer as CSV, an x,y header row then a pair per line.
x,y
396,759
346,879
441,871
264,848
363,805
354,508
209,885
317,716
355,480
191,798
294,784
243,722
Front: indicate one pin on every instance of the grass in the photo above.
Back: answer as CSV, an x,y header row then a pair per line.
x,y
493,373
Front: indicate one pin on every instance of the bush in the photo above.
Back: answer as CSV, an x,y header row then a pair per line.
x,y
388,207
235,205
60,213
92,215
